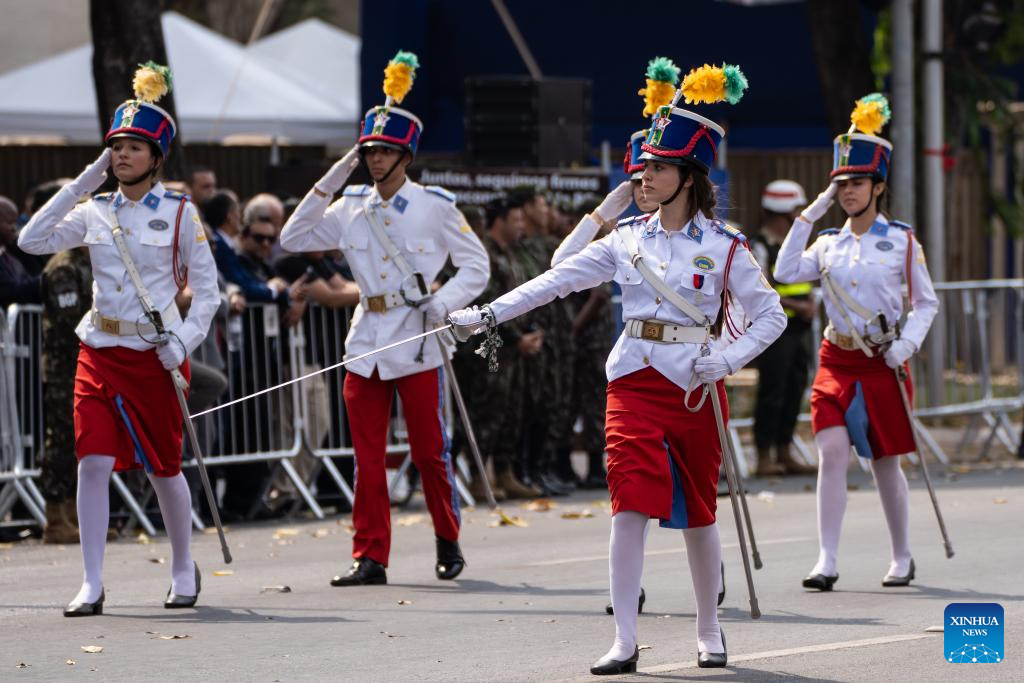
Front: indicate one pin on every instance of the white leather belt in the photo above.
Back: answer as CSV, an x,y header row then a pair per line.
x,y
667,333
847,342
125,328
381,303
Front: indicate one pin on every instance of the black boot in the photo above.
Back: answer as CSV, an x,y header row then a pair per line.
x,y
639,608
363,572
450,562
596,477
175,601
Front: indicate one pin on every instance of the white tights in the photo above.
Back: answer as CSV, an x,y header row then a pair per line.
x,y
94,519
625,566
833,458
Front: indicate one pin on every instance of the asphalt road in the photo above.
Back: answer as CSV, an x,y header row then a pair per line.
x,y
530,605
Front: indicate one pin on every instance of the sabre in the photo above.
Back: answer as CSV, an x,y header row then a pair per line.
x,y
322,370
179,387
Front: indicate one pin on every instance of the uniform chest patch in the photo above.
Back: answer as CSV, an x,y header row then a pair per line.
x,y
884,245
158,225
704,262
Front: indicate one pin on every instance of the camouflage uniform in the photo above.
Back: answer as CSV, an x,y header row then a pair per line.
x,y
495,400
67,296
593,343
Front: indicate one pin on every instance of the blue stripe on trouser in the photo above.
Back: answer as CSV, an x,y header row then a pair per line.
x,y
857,423
446,455
140,456
678,519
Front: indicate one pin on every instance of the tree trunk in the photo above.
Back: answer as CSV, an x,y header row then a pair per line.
x,y
843,55
126,33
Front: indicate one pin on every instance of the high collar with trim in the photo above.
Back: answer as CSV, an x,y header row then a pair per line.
x,y
151,200
879,228
397,200
694,228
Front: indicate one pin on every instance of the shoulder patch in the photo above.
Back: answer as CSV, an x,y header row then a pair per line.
x,y
828,231
901,225
356,191
440,192
170,194
103,196
642,218
728,230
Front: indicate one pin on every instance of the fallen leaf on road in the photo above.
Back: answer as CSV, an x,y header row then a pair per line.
x,y
321,533
539,505
276,589
962,469
766,496
224,572
405,602
71,662
92,649
665,616
173,636
601,503
409,520
505,520
6,546
808,488
158,560
142,539
285,533
645,647
581,514
550,621
391,635
999,501
852,487
211,530
22,665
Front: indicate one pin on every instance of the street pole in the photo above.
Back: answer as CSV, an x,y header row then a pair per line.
x,y
903,189
934,184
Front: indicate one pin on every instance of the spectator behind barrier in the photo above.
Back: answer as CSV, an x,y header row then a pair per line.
x,y
257,243
202,184
19,272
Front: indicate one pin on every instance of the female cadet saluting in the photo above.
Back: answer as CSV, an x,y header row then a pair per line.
x,y
661,461
126,411
871,331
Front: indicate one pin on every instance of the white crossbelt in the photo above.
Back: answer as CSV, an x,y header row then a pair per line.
x,y
667,333
126,328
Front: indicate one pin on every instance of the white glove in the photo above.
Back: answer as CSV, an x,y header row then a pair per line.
x,y
616,202
89,180
339,173
434,309
819,207
712,367
467,322
171,354
900,352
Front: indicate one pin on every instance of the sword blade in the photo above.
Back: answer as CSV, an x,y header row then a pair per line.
x,y
323,370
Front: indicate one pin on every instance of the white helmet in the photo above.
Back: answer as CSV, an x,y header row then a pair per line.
x,y
783,196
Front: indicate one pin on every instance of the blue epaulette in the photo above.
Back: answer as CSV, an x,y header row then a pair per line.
x,y
176,195
440,192
642,218
103,196
828,231
901,225
356,191
728,230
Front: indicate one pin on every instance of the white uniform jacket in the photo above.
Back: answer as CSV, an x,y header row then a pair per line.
x,y
149,233
872,267
691,260
427,228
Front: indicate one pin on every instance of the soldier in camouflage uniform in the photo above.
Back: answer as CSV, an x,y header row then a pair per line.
x,y
495,400
67,296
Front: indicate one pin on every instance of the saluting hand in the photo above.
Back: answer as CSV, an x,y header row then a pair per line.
x,y
94,175
819,207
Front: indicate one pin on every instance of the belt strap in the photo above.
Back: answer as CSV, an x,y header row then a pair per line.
x,y
629,241
667,333
126,328
381,303
833,293
133,273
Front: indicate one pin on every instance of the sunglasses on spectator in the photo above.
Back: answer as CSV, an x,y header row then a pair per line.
x,y
262,239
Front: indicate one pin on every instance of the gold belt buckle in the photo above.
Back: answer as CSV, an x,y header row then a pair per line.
x,y
110,325
652,331
377,304
845,342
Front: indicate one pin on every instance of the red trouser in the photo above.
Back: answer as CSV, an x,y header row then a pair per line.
x,y
368,402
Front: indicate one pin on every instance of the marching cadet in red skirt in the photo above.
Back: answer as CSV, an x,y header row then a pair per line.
x,y
676,267
872,330
126,411
396,236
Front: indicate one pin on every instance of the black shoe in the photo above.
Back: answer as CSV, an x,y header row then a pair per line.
x,y
721,595
606,666
713,660
891,581
820,581
86,609
639,608
450,562
551,485
363,572
175,601
594,480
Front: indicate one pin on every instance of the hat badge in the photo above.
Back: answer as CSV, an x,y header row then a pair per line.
x,y
130,110
380,121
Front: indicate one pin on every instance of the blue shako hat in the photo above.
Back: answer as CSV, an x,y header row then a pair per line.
x,y
387,125
633,165
859,152
141,118
682,137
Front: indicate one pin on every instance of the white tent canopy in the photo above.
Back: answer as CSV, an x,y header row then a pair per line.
x,y
221,90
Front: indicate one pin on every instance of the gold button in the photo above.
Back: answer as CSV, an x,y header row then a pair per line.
x,y
853,284
385,257
131,205
387,221
383,276
856,258
657,299
119,288
664,265
647,361
627,277
383,205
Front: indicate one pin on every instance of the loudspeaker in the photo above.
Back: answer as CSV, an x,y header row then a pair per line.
x,y
517,121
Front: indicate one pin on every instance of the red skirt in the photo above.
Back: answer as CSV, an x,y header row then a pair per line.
x,y
663,460
126,406
835,387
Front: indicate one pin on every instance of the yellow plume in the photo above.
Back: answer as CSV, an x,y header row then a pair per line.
x,y
704,84
152,81
656,94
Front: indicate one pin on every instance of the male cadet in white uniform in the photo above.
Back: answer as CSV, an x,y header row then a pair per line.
x,y
426,228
